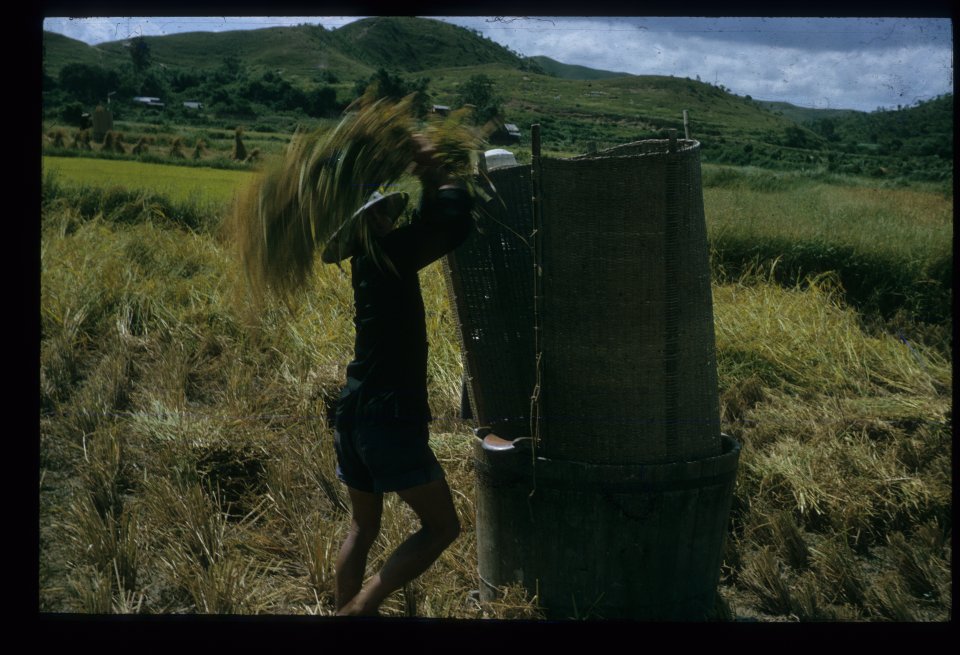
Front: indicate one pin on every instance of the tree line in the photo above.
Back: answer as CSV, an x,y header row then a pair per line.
x,y
234,90
925,129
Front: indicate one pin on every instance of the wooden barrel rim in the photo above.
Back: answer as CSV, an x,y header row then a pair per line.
x,y
514,466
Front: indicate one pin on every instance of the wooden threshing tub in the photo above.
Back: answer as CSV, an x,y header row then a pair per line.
x,y
586,321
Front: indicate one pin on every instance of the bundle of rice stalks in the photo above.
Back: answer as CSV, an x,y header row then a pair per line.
x,y
199,150
57,138
253,157
889,599
113,142
839,572
298,203
921,569
141,146
790,541
81,140
176,148
764,576
806,602
228,586
239,150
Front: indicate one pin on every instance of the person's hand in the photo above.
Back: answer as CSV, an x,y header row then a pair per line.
x,y
425,159
429,168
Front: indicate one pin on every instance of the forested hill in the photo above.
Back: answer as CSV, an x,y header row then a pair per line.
x,y
923,129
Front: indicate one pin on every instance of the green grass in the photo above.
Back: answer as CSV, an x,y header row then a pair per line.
x,y
179,183
891,248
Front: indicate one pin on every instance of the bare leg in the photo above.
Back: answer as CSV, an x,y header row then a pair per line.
x,y
352,560
439,528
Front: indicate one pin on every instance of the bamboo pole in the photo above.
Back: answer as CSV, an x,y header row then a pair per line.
x,y
537,286
686,125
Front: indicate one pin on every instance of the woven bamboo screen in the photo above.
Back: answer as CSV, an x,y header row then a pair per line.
x,y
628,365
102,122
491,278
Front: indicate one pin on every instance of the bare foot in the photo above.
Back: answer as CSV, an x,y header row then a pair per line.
x,y
356,607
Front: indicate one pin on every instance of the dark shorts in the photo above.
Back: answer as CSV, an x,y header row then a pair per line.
x,y
383,457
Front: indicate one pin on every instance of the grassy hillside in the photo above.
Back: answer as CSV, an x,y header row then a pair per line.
x,y
418,44
300,51
59,50
555,68
353,51
576,112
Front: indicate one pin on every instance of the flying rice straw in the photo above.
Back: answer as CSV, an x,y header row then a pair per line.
x,y
301,200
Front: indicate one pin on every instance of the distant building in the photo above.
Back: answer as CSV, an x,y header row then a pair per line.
x,y
443,110
193,105
150,101
507,134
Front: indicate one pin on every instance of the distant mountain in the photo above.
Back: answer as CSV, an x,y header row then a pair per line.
x,y
572,72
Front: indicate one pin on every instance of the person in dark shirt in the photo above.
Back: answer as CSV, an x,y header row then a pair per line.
x,y
381,434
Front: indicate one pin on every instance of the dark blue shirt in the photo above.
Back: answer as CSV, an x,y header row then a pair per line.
x,y
387,379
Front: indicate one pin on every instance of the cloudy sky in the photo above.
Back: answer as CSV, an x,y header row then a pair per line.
x,y
841,63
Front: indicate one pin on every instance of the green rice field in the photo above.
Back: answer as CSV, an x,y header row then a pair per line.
x,y
178,183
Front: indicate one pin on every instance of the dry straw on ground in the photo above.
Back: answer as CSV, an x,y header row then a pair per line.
x,y
186,464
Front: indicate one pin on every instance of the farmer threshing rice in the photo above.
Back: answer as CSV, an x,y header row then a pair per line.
x,y
307,201
381,426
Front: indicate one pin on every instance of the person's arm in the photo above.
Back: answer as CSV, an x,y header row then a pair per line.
x,y
443,223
